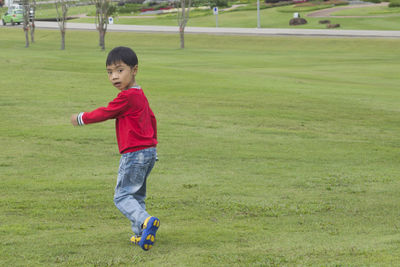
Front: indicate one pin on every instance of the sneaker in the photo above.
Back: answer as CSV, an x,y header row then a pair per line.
x,y
150,227
135,239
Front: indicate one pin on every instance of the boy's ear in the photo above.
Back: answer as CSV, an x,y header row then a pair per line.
x,y
135,69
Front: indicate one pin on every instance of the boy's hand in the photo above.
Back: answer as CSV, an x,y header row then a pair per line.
x,y
74,120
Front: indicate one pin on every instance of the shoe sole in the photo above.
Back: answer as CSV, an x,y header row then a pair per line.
x,y
134,240
149,234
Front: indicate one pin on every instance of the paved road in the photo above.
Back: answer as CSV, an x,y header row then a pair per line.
x,y
224,31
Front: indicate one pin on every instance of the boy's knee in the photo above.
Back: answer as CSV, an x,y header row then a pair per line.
x,y
117,199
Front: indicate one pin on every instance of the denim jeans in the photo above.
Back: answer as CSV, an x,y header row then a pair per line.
x,y
130,192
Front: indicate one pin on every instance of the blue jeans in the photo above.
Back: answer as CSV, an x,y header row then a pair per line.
x,y
130,192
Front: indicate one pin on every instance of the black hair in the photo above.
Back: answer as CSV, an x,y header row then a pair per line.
x,y
124,54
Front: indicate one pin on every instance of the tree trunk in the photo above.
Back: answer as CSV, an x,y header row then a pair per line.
x,y
62,39
33,32
25,4
182,35
61,19
26,30
103,11
183,17
33,21
102,37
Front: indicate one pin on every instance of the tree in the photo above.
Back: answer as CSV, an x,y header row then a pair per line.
x,y
62,10
183,18
25,5
104,9
32,19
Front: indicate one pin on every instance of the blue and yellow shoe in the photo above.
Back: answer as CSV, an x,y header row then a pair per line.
x,y
135,239
150,227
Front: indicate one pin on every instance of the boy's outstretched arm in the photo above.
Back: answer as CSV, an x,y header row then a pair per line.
x,y
114,108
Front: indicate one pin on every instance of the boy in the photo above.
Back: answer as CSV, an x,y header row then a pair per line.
x,y
136,130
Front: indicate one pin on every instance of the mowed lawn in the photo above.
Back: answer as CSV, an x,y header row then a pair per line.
x,y
274,151
370,18
277,17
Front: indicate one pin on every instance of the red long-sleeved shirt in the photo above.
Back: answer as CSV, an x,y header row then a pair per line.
x,y
135,124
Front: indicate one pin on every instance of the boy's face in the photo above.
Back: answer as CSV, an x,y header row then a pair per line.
x,y
121,75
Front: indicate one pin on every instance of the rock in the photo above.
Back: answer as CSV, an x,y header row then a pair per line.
x,y
331,26
324,22
297,21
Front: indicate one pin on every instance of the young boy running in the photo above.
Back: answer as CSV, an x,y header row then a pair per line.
x,y
136,130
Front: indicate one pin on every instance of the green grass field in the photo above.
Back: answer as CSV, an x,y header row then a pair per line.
x,y
278,17
369,11
273,151
246,17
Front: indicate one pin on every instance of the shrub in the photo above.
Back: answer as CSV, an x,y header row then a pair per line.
x,y
133,1
195,3
219,3
278,4
394,3
129,8
338,2
274,1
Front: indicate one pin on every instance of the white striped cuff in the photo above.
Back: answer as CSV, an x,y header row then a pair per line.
x,y
79,119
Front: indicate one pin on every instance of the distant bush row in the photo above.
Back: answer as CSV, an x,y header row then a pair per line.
x,y
394,3
133,6
309,3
